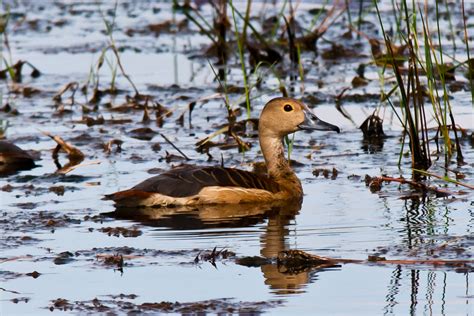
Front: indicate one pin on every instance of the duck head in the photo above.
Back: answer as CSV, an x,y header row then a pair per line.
x,y
282,116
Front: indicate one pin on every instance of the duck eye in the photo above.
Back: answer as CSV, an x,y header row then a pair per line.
x,y
288,108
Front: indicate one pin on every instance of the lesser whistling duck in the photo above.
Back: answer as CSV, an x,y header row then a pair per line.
x,y
217,185
13,158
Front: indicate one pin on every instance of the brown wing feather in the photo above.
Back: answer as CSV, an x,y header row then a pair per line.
x,y
188,181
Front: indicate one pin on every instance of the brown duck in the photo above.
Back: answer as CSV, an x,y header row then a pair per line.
x,y
192,185
13,158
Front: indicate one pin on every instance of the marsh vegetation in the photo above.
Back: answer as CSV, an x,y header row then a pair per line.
x,y
101,95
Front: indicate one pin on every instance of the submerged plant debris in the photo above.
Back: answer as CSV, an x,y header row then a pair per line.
x,y
125,304
98,96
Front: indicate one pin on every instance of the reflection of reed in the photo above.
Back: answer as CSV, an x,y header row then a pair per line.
x,y
415,288
415,281
372,146
430,290
414,222
421,220
443,297
393,291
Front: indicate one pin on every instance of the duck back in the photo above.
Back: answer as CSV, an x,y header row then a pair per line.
x,y
188,181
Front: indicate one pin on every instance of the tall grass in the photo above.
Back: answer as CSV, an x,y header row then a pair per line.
x,y
470,63
426,65
444,112
410,98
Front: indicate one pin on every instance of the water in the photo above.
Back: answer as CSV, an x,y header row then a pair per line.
x,y
339,218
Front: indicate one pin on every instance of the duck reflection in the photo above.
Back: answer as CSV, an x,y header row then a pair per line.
x,y
275,240
198,216
278,216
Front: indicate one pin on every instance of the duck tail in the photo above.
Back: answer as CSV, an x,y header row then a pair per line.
x,y
127,195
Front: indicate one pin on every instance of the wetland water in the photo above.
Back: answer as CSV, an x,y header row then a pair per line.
x,y
65,249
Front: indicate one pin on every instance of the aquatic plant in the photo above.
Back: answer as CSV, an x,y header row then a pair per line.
x,y
470,62
425,66
231,118
12,69
114,64
4,19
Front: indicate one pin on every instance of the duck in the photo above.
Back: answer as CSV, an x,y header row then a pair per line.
x,y
201,185
13,158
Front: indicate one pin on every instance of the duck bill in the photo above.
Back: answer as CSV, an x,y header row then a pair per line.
x,y
313,123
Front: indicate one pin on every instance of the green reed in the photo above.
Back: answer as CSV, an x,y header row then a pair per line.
x,y
470,63
410,97
426,65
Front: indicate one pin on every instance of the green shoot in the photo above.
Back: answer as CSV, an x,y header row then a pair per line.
x,y
444,178
289,143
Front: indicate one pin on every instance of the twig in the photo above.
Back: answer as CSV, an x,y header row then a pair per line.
x,y
73,86
294,258
105,256
15,258
114,49
418,185
340,155
209,137
72,152
9,291
434,262
174,146
68,168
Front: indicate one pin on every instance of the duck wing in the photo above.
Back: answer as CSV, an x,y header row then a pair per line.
x,y
188,181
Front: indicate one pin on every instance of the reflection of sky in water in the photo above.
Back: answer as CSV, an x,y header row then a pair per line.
x,y
339,218
146,68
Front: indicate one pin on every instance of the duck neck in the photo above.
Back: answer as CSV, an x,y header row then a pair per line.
x,y
278,167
